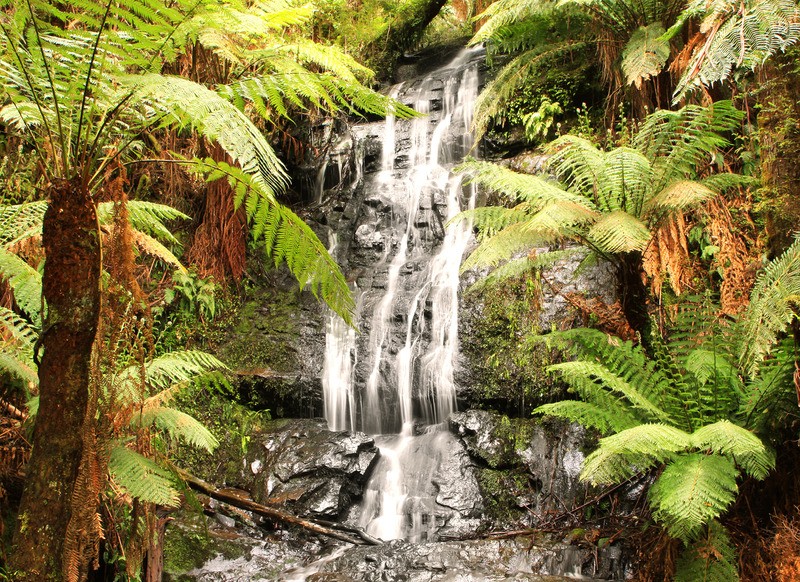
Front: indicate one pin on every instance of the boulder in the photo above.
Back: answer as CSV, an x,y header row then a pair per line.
x,y
309,470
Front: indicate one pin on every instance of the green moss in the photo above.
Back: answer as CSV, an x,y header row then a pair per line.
x,y
501,491
507,363
230,422
188,544
264,332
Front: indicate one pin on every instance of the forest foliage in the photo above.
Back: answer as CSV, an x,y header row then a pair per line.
x,y
138,106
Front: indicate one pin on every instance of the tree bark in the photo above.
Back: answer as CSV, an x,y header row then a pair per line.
x,y
779,138
71,290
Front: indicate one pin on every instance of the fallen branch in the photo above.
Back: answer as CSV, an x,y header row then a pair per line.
x,y
230,498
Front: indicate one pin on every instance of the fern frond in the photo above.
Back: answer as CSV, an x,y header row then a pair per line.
x,y
600,374
771,308
147,217
143,478
178,366
26,284
693,490
622,455
517,187
619,232
286,238
747,449
20,221
680,195
604,419
513,239
738,36
17,340
150,246
645,54
177,101
711,557
177,425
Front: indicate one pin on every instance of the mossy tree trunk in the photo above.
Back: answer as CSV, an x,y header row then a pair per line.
x,y
71,290
779,138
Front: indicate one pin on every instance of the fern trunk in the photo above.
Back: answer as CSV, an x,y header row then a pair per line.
x,y
71,289
634,295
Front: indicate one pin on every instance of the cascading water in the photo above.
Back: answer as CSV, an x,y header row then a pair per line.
x,y
403,374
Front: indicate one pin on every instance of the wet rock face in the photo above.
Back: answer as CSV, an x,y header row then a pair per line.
x,y
466,561
309,469
526,470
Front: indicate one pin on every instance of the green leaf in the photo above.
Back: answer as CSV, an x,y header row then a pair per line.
x,y
693,490
142,477
645,54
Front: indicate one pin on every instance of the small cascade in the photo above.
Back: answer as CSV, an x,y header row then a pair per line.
x,y
337,371
401,386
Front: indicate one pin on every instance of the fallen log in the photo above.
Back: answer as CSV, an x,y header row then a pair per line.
x,y
330,530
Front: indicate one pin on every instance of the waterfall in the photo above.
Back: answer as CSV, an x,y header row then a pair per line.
x,y
397,379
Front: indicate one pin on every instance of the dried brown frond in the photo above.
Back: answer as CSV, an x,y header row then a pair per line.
x,y
735,260
220,243
667,259
608,318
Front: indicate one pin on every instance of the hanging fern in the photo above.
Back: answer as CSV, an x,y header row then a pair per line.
x,y
285,237
142,478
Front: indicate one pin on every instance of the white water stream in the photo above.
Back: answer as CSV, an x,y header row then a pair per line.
x,y
410,367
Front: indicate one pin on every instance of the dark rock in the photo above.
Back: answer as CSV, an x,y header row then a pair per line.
x,y
309,469
525,466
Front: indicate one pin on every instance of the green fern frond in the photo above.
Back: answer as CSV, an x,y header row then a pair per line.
x,y
143,478
693,490
518,267
177,425
598,373
25,283
21,221
645,54
513,239
771,308
178,366
17,340
619,232
286,238
147,217
711,557
604,419
747,449
633,450
517,187
177,101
